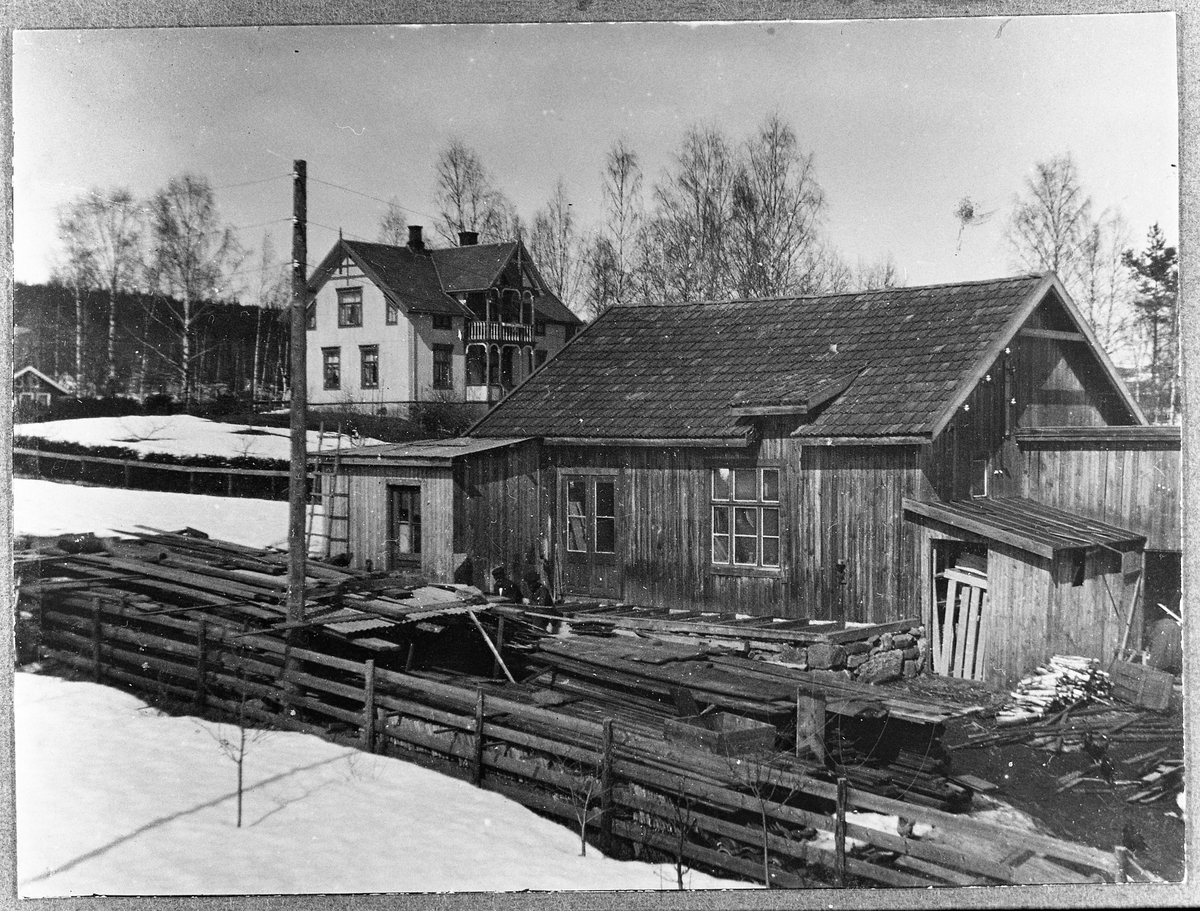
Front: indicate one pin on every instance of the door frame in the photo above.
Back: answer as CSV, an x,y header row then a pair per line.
x,y
603,567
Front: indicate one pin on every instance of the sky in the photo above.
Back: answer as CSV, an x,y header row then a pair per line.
x,y
904,119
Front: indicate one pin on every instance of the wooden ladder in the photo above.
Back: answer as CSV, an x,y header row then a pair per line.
x,y
334,495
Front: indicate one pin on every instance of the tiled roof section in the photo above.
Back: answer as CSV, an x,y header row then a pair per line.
x,y
671,372
803,391
471,268
410,277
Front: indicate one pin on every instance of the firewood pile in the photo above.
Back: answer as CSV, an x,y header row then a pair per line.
x,y
1066,680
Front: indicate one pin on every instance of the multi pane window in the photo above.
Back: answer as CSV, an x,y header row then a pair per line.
x,y
745,517
349,307
406,520
391,315
331,366
370,366
443,367
442,321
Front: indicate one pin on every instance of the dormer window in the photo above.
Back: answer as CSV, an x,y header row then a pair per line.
x,y
349,307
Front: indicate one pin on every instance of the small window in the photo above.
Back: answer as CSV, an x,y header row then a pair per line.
x,y
405,508
443,366
349,307
568,333
577,516
370,366
539,327
539,358
310,315
745,517
980,474
442,321
332,367
391,315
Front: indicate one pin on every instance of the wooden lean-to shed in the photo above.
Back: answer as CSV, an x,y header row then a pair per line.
x,y
445,510
847,457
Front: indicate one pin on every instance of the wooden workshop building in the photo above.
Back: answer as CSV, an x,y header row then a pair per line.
x,y
964,453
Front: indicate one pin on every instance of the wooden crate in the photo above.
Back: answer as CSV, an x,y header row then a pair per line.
x,y
722,733
1141,685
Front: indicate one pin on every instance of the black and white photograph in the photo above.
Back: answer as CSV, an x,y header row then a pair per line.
x,y
599,457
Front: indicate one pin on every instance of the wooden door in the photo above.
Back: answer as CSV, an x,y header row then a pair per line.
x,y
590,535
955,622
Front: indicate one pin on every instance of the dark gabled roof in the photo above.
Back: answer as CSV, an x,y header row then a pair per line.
x,y
30,369
425,282
677,372
408,278
1031,526
423,452
472,268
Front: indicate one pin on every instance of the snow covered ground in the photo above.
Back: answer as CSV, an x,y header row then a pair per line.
x,y
179,435
114,798
47,508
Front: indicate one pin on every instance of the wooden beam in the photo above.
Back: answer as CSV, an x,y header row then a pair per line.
x,y
984,529
1054,334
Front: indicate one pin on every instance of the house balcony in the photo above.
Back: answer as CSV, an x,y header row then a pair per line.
x,y
499,333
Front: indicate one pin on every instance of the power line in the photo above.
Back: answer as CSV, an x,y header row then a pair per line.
x,y
246,183
385,202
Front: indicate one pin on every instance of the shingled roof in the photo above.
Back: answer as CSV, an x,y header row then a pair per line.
x,y
424,282
888,363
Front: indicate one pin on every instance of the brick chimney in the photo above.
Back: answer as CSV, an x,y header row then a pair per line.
x,y
468,238
415,243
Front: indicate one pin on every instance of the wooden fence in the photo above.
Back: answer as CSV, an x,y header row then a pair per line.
x,y
755,818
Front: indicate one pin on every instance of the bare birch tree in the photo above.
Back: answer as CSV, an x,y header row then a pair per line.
x,y
1102,285
777,209
192,255
1049,222
467,197
555,247
103,233
393,227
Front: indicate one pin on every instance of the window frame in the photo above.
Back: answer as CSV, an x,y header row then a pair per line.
x,y
397,490
349,308
391,313
448,352
363,352
745,528
443,322
336,361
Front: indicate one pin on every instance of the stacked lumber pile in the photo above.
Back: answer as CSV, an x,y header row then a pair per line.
x,y
1066,680
181,573
874,653
879,740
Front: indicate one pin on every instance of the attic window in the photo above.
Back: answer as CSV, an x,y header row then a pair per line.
x,y
349,307
392,314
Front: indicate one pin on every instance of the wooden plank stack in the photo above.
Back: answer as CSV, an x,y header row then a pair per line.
x,y
1065,680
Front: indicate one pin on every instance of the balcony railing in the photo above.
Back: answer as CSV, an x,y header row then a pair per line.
x,y
488,331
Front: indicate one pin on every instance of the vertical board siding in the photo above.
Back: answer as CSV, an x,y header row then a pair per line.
x,y
1132,488
501,512
368,507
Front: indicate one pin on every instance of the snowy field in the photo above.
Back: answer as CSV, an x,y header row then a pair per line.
x,y
114,798
48,509
179,435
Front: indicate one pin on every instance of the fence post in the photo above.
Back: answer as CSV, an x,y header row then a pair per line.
x,y
810,724
839,833
368,725
191,482
1122,854
201,662
606,786
128,471
477,767
96,638
229,484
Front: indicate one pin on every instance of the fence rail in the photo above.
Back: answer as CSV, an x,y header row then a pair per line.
x,y
754,818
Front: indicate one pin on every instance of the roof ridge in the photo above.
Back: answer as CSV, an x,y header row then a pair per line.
x,y
725,301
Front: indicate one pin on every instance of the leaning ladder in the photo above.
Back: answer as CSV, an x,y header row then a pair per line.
x,y
334,497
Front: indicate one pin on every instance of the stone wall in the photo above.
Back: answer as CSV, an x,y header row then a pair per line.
x,y
875,658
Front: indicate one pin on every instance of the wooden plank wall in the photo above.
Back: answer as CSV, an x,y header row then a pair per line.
x,y
1137,488
848,507
368,507
497,514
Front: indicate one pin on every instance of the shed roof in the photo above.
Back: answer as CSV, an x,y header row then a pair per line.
x,y
33,371
1030,526
694,371
425,452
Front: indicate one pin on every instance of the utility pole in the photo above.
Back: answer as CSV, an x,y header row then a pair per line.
x,y
298,477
